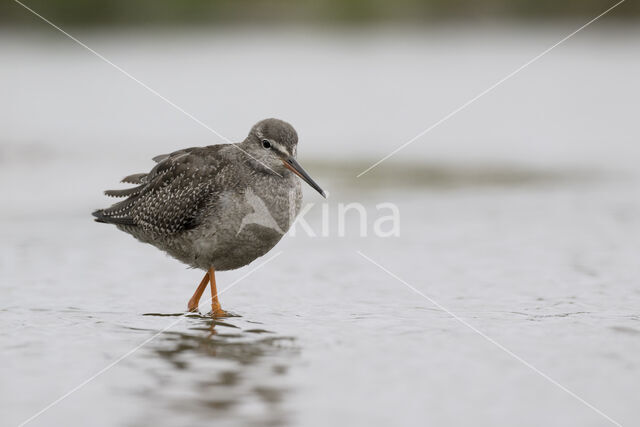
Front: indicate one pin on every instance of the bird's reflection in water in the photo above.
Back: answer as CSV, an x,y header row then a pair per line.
x,y
231,370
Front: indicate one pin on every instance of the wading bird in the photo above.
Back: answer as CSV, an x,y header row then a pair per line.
x,y
195,202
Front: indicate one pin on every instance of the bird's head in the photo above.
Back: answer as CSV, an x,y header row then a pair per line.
x,y
273,145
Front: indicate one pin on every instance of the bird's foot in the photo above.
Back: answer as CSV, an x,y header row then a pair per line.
x,y
217,312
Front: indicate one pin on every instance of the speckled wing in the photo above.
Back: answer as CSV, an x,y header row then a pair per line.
x,y
171,197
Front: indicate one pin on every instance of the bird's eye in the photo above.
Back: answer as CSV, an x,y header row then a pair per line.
x,y
266,144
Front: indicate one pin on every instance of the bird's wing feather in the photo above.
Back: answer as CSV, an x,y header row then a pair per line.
x,y
162,157
171,196
136,178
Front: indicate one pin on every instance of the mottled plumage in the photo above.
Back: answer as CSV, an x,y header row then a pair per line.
x,y
193,202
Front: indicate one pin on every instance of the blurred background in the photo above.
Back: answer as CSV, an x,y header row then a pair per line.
x,y
520,213
322,12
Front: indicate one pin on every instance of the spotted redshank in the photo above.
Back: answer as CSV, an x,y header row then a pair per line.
x,y
217,207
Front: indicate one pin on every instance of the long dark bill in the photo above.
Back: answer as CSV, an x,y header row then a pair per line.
x,y
295,167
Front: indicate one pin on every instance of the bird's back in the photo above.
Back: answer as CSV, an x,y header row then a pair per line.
x,y
170,198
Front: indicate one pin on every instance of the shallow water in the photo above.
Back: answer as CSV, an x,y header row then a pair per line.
x,y
541,258
325,337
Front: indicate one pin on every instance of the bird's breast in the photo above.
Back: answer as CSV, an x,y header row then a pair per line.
x,y
244,225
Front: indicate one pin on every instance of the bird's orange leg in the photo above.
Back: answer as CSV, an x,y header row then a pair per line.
x,y
195,299
216,309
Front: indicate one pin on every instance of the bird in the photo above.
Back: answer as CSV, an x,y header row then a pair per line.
x,y
217,207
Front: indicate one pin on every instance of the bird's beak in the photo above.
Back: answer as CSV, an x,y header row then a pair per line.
x,y
295,167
